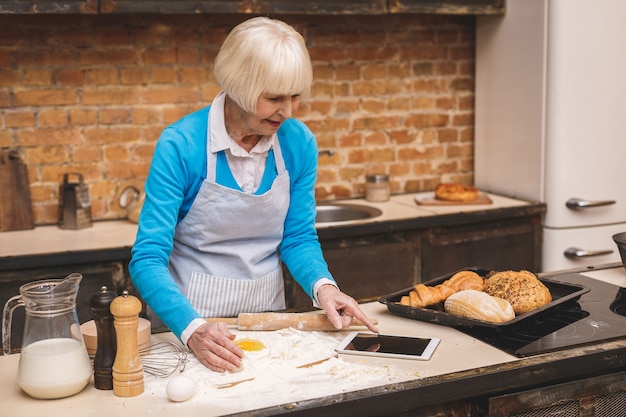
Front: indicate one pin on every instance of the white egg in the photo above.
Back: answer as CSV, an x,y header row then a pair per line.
x,y
180,388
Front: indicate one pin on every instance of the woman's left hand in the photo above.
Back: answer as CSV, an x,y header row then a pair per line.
x,y
341,308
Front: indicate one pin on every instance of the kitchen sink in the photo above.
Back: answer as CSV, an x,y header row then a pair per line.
x,y
335,212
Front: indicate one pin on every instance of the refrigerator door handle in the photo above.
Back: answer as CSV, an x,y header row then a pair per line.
x,y
579,203
577,253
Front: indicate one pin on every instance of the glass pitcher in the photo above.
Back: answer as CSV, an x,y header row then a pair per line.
x,y
54,362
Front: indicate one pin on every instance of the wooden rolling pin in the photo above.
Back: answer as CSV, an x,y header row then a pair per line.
x,y
278,321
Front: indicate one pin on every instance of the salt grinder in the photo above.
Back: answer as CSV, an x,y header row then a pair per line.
x,y
127,368
100,304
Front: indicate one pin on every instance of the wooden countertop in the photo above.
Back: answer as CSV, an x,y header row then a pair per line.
x,y
44,240
461,368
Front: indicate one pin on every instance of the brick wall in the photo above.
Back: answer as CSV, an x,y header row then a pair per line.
x,y
91,94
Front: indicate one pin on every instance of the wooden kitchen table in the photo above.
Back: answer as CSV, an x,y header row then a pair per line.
x,y
461,369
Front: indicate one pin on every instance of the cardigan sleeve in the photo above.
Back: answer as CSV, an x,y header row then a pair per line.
x,y
300,249
172,183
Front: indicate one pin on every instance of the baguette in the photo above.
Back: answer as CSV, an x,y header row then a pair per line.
x,y
479,305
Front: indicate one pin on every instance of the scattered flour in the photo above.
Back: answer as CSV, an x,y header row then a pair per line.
x,y
274,375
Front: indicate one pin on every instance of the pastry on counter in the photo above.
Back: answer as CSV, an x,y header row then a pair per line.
x,y
456,192
453,194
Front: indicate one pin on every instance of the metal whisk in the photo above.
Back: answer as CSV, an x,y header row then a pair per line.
x,y
163,359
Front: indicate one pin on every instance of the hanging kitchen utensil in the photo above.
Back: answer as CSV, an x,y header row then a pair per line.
x,y
16,211
131,199
74,204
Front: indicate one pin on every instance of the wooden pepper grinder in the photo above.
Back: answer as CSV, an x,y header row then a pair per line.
x,y
127,368
100,304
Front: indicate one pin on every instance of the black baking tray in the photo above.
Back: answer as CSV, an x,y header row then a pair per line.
x,y
562,292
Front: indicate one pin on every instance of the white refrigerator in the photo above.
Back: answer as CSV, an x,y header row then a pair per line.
x,y
551,120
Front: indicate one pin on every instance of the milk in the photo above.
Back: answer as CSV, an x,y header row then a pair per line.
x,y
54,368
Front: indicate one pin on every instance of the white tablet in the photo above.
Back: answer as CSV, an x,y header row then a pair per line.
x,y
386,345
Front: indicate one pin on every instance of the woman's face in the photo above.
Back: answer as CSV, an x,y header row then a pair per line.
x,y
271,112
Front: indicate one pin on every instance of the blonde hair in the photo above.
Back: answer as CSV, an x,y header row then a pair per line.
x,y
263,55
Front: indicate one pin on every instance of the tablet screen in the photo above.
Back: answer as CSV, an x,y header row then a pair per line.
x,y
388,345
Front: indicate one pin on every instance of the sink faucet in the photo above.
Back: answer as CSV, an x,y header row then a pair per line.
x,y
325,152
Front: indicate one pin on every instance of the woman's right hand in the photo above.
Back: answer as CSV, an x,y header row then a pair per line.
x,y
213,345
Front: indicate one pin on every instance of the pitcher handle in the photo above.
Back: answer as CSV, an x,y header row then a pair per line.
x,y
7,316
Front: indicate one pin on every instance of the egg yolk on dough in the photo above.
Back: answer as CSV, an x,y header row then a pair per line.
x,y
250,345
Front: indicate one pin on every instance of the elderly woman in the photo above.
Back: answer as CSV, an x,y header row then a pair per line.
x,y
230,194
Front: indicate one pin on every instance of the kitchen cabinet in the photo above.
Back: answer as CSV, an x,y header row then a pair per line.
x,y
601,396
507,244
308,7
365,266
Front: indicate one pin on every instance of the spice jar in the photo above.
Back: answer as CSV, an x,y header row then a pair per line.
x,y
377,187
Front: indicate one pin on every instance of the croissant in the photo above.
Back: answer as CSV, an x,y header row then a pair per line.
x,y
465,280
424,295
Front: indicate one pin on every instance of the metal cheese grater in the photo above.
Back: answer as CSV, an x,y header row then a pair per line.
x,y
74,204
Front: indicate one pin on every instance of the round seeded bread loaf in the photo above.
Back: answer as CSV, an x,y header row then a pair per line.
x,y
520,288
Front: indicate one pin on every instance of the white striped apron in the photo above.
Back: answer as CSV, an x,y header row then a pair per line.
x,y
225,256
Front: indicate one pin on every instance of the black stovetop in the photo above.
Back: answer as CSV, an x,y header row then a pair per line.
x,y
599,315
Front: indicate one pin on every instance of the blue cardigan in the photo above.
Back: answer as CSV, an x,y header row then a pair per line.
x,y
177,171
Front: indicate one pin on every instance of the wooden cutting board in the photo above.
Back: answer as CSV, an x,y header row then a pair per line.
x,y
16,210
432,201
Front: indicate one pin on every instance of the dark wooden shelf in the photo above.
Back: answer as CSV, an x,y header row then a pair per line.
x,y
461,7
304,7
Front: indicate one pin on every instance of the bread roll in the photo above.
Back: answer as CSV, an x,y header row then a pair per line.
x,y
522,289
455,192
479,305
